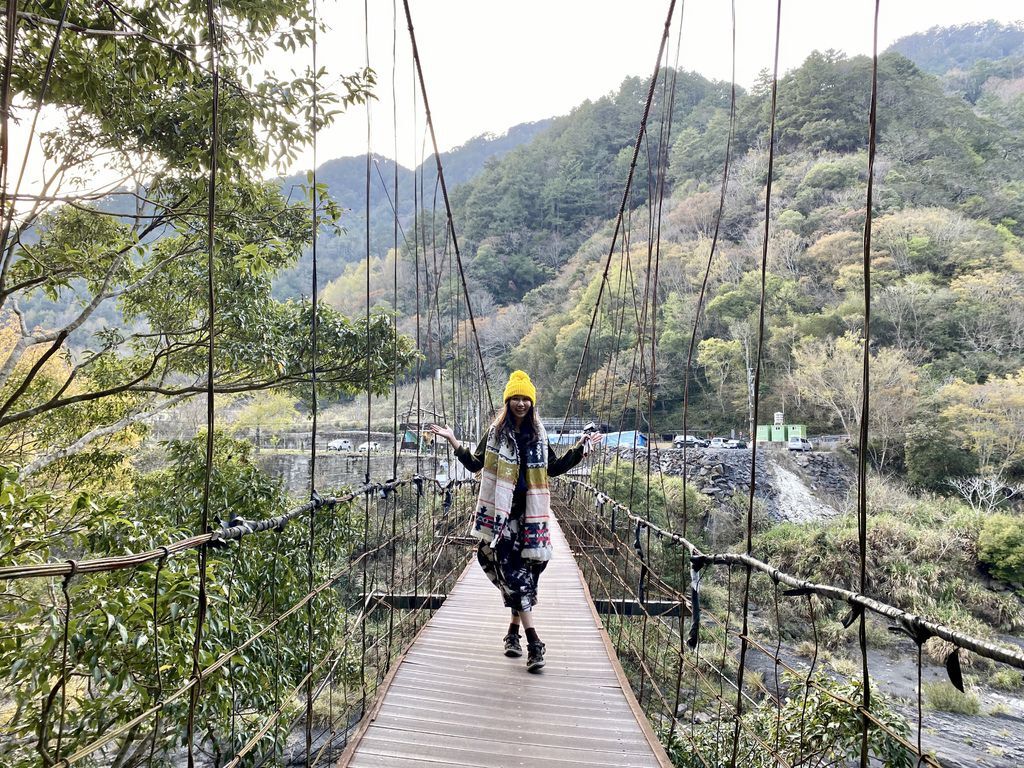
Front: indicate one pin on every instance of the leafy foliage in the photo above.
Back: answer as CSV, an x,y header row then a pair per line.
x,y
814,726
1001,547
131,632
131,270
942,49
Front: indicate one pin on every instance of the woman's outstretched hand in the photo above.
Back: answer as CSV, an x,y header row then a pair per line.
x,y
445,432
590,441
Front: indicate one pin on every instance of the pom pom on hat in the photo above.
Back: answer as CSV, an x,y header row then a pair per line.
x,y
519,384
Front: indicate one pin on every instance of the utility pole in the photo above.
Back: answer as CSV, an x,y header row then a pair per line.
x,y
752,434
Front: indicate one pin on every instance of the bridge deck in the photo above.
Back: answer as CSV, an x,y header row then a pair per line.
x,y
456,700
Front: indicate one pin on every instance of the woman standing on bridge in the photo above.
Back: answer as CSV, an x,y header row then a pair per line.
x,y
512,511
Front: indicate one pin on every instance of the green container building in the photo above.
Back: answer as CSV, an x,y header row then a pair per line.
x,y
764,433
796,430
778,433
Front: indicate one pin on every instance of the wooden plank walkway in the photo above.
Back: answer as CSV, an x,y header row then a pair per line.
x,y
456,700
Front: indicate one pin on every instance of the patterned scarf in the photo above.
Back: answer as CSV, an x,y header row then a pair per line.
x,y
497,483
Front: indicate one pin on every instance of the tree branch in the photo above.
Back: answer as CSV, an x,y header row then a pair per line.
x,y
236,387
35,18
83,442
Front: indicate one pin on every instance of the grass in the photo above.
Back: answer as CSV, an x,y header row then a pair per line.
x,y
848,668
922,558
943,697
1007,679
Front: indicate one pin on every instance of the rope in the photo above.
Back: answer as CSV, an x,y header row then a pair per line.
x,y
757,374
314,327
447,202
211,28
711,255
862,488
10,31
369,384
583,522
911,622
622,206
156,656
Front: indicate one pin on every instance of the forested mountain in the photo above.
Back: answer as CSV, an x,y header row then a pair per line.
x,y
948,275
942,49
345,179
975,61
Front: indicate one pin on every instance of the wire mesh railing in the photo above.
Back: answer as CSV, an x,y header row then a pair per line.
x,y
679,646
300,619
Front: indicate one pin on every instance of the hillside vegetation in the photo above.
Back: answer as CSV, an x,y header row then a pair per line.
x,y
947,268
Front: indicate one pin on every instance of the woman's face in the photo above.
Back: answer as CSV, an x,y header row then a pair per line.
x,y
519,406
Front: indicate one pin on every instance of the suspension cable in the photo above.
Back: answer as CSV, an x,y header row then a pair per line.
x,y
622,206
447,202
862,453
212,33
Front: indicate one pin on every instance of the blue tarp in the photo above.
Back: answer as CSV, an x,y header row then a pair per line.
x,y
626,439
564,438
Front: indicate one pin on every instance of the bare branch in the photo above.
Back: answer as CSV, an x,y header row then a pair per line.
x,y
984,493
239,385
83,442
94,32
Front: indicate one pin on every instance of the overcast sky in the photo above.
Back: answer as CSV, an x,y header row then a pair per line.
x,y
489,65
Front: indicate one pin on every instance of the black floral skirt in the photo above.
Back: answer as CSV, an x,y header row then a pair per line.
x,y
515,577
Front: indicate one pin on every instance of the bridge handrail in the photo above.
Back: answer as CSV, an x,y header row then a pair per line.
x,y
235,529
916,627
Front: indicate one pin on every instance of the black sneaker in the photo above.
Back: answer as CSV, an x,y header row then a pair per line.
x,y
535,660
512,647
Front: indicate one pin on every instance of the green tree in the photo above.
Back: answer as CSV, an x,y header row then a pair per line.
x,y
988,417
724,368
827,373
111,673
1001,547
933,453
138,258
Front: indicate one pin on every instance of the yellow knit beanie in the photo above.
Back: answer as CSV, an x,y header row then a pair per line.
x,y
519,384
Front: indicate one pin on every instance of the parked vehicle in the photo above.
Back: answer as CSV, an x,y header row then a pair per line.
x,y
736,444
719,442
688,441
368,447
341,444
800,444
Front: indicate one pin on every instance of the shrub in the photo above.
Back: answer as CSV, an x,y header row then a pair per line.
x,y
1001,547
809,718
943,697
831,175
1006,679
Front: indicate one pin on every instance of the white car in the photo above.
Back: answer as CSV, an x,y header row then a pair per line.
x,y
689,441
341,444
800,444
719,442
371,447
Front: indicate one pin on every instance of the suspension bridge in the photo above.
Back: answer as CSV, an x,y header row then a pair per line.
x,y
455,700
354,629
